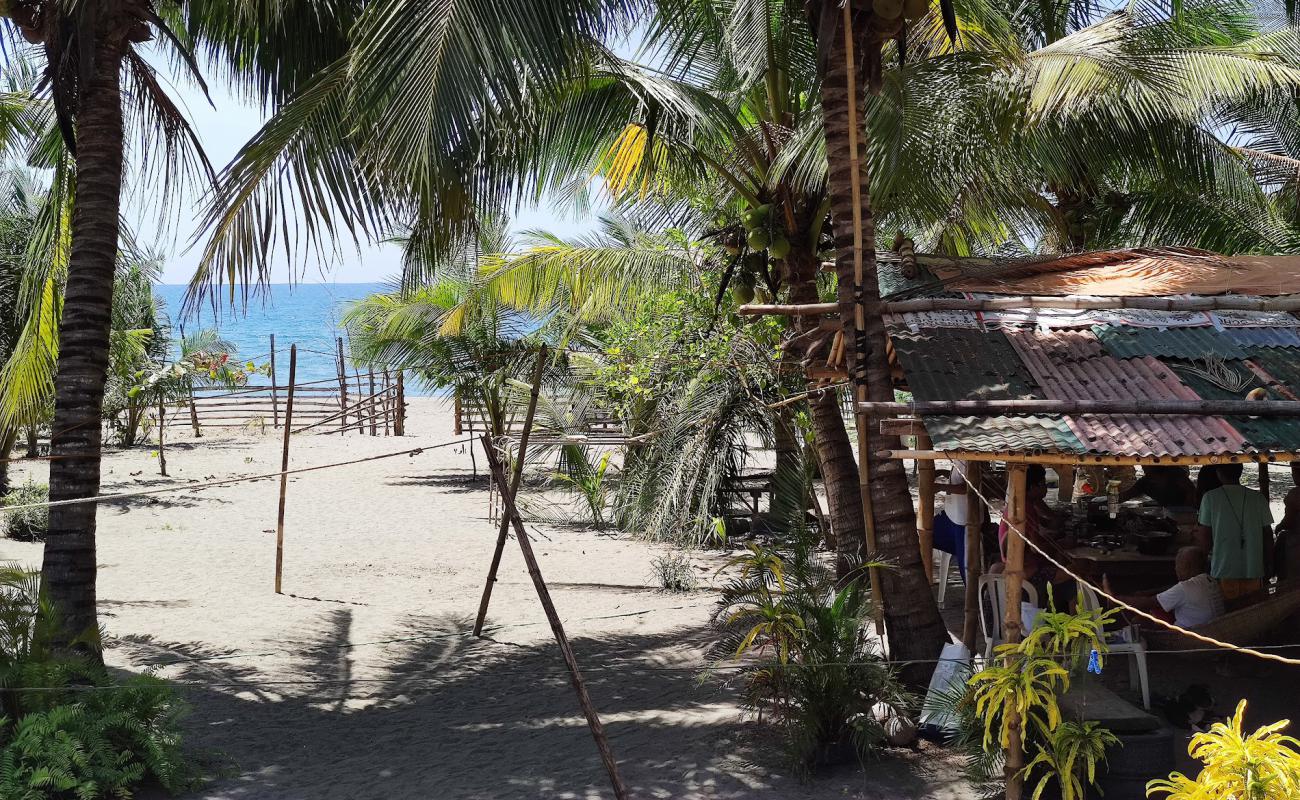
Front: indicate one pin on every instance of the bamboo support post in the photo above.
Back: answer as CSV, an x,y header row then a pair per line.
x,y
1264,481
284,467
1017,515
854,324
553,617
508,492
399,422
343,383
1145,407
1026,302
973,472
456,426
275,399
925,509
801,310
388,403
374,410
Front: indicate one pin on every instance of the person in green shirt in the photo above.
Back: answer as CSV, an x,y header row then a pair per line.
x,y
1236,528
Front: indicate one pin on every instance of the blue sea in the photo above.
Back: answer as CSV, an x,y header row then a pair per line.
x,y
305,314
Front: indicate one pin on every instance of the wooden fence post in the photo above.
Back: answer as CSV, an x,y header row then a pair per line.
x,y
515,479
343,389
557,628
275,404
194,414
374,407
388,401
925,509
399,423
284,467
162,424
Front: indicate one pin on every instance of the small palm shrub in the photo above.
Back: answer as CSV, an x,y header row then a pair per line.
x,y
67,730
798,642
26,525
675,572
589,481
1264,765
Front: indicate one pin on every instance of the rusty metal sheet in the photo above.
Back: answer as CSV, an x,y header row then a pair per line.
x,y
1070,365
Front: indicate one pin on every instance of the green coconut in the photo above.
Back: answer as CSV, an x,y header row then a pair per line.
x,y
758,240
887,9
742,294
779,248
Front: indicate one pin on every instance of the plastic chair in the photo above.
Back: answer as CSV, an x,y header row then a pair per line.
x,y
943,573
1137,649
995,588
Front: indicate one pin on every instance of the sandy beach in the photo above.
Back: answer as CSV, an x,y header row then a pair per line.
x,y
362,681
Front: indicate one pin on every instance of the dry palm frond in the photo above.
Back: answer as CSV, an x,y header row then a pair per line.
x,y
1215,369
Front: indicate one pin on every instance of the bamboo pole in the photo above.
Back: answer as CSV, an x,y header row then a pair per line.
x,y
925,509
1086,460
388,402
1146,407
1065,485
1076,303
553,617
787,310
343,383
194,414
1017,515
275,400
508,493
858,322
284,467
974,553
162,423
1264,480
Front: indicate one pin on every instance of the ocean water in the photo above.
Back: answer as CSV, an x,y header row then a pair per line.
x,y
306,314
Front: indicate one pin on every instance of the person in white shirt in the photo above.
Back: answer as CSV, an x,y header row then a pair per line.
x,y
1193,601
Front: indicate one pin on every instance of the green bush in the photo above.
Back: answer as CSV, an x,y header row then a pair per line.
x,y
798,642
67,729
28,525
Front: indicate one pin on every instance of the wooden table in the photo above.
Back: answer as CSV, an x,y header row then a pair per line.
x,y
1127,569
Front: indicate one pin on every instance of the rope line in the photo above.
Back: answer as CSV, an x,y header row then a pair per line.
x,y
1217,644
414,451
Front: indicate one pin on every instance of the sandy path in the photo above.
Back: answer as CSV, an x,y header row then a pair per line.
x,y
361,681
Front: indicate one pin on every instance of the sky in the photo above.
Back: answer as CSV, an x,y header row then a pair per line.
x,y
223,126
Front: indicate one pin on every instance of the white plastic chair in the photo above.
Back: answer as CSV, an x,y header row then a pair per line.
x,y
1137,649
994,587
943,574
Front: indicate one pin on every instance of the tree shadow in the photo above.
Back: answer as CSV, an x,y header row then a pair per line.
x,y
451,716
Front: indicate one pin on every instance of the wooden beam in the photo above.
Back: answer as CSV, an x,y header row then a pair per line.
x,y
1065,488
994,408
925,509
1089,459
804,310
1029,302
284,468
892,426
818,372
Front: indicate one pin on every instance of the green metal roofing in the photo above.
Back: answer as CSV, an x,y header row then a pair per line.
x,y
943,363
1283,363
1123,341
1271,433
1002,434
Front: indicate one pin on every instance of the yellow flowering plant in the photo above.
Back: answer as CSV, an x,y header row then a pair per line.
x,y
1263,765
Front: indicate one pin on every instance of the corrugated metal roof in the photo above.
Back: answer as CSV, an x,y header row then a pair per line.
x,y
1070,365
1281,364
1248,338
946,363
1124,341
1001,434
1264,433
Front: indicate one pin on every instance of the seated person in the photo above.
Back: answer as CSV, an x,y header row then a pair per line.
x,y
1236,528
1190,603
950,523
1286,549
1043,530
1170,487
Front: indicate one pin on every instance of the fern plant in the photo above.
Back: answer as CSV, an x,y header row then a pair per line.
x,y
1263,765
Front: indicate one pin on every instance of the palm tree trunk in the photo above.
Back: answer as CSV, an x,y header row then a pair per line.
x,y
69,566
915,628
835,457
7,440
789,479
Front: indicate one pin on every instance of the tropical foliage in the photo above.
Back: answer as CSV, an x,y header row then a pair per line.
x,y
25,524
1261,765
796,640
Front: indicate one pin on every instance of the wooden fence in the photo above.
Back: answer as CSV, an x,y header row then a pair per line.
x,y
361,399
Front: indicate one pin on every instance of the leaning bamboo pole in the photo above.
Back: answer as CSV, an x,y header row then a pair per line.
x,y
284,469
